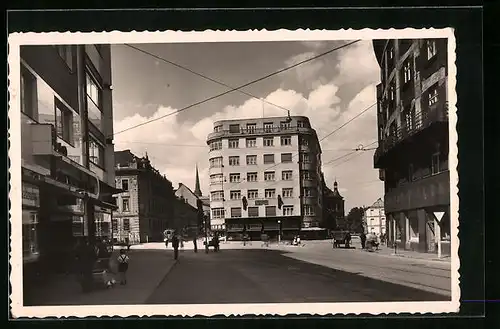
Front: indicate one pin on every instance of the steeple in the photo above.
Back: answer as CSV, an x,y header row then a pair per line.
x,y
197,190
336,189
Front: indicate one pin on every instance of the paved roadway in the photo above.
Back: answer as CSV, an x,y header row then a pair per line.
x,y
267,276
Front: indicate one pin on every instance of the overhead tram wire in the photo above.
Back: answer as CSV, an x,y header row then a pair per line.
x,y
237,88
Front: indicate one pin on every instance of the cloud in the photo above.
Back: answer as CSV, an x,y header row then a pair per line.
x,y
357,63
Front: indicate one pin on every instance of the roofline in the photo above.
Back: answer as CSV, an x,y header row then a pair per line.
x,y
218,122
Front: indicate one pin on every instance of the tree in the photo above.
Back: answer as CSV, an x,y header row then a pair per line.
x,y
354,219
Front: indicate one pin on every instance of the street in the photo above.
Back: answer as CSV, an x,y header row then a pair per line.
x,y
267,276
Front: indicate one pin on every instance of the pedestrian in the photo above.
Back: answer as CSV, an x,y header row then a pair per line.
x,y
216,242
195,244
175,245
123,261
347,240
363,240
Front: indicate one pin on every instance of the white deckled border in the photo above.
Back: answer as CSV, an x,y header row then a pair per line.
x,y
116,37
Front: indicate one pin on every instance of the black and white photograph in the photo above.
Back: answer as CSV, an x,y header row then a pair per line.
x,y
232,172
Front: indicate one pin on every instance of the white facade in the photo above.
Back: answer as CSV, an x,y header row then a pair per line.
x,y
375,218
258,159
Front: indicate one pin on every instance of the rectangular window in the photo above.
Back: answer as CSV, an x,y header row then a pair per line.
x,y
64,121
217,196
251,127
306,175
270,193
125,205
268,127
234,160
251,142
286,175
284,125
270,211
114,224
234,129
234,178
433,95
218,213
234,143
308,192
268,141
304,141
215,162
435,164
217,129
269,176
66,53
126,224
431,49
94,101
253,211
268,158
287,192
125,184
286,140
407,71
236,212
251,177
286,157
28,94
235,195
305,158
287,210
96,152
253,194
216,179
251,159
217,145
308,210
300,124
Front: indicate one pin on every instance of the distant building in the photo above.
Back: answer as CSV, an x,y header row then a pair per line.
x,y
374,218
265,173
146,205
333,207
413,141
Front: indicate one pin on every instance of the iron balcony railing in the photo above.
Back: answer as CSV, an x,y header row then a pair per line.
x,y
418,122
259,131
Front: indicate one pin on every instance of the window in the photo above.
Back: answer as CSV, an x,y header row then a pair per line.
x,y
251,142
66,53
235,195
251,177
435,164
287,210
268,127
287,192
234,143
269,176
392,93
268,158
308,210
125,205
390,53
234,129
217,196
433,95
304,141
236,212
305,158
286,175
234,178
270,211
216,145
28,92
306,175
407,71
409,118
114,224
286,157
285,125
234,160
64,122
253,211
125,184
286,140
96,152
30,236
251,128
251,159
268,141
216,179
253,194
215,162
270,193
300,124
94,95
217,129
431,48
308,192
218,213
126,224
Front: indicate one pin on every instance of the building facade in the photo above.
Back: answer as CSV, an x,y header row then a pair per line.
x,y
196,201
333,207
374,218
67,150
413,142
265,174
146,205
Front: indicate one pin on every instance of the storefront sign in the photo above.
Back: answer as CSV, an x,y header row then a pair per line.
x,y
30,195
261,202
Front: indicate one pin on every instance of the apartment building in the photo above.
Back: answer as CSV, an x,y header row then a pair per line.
x,y
265,175
67,152
413,142
146,203
374,218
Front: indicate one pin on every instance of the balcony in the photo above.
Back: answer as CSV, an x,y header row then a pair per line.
x,y
421,121
242,132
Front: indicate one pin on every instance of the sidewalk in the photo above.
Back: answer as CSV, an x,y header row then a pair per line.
x,y
146,271
384,251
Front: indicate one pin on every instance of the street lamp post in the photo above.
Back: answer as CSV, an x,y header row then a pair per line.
x,y
279,231
206,235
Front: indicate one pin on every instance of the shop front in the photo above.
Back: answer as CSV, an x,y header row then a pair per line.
x,y
30,215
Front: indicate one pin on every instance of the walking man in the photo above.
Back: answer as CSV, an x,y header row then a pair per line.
x,y
363,240
195,244
175,245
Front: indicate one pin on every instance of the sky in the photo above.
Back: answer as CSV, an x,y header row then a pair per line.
x,y
330,90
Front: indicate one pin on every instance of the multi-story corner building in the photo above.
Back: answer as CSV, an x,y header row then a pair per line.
x,y
333,207
374,218
413,141
265,174
146,205
67,151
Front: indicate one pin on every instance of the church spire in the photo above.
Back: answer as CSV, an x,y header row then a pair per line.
x,y
197,190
